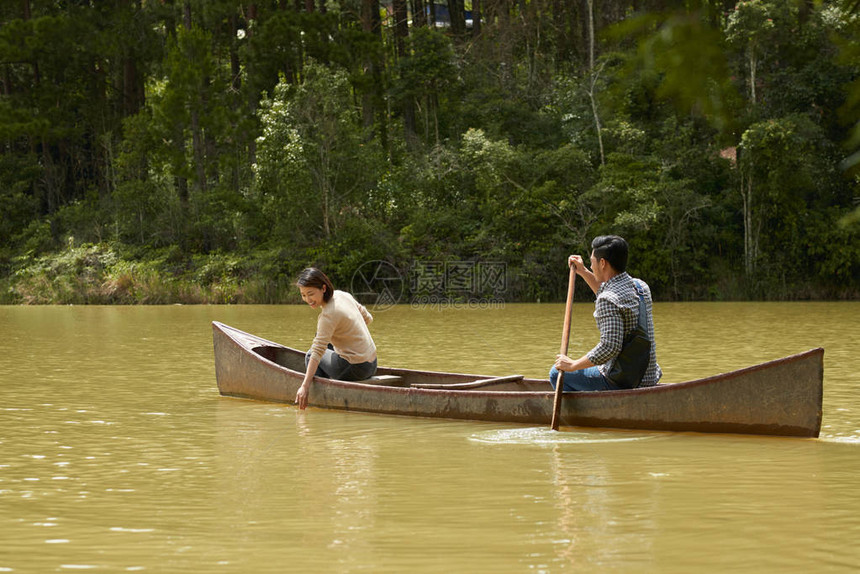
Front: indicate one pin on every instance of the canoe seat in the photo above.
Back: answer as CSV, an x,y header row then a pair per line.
x,y
470,384
384,380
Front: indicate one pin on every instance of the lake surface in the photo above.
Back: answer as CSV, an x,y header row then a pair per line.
x,y
117,453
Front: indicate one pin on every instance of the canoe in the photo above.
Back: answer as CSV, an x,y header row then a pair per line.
x,y
781,397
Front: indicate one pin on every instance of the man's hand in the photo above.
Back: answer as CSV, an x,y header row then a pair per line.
x,y
564,363
575,261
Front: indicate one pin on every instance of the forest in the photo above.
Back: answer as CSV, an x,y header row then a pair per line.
x,y
205,151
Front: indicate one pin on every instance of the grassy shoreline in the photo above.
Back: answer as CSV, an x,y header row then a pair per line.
x,y
99,274
109,274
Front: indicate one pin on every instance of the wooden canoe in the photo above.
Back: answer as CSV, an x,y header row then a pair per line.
x,y
781,397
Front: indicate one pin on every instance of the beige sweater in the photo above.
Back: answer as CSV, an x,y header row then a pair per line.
x,y
343,322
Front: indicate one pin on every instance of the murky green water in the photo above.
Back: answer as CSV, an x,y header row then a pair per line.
x,y
117,453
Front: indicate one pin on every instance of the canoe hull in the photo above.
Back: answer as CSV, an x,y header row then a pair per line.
x,y
781,397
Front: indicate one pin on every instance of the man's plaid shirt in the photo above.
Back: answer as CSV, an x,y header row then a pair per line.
x,y
617,312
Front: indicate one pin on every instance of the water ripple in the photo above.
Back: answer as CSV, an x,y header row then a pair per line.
x,y
544,436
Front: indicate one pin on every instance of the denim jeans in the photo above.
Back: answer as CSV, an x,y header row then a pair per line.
x,y
333,366
588,379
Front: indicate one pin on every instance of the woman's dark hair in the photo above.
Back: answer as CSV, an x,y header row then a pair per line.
x,y
313,277
613,249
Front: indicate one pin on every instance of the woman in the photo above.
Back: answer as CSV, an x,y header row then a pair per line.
x,y
343,348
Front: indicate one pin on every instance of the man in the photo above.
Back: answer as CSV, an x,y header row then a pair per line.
x,y
616,311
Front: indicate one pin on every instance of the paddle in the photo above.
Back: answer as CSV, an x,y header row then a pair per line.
x,y
565,340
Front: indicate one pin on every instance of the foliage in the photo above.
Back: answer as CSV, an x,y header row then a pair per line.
x,y
314,164
160,152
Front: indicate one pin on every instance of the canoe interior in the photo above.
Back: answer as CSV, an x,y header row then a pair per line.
x,y
295,361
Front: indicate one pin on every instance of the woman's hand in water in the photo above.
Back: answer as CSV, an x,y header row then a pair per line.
x,y
302,396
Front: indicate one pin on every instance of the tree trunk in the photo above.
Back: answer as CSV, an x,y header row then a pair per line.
x,y
252,97
566,22
753,65
197,148
37,76
132,88
46,184
326,213
593,80
180,180
367,108
401,27
372,23
401,35
236,84
181,184
419,14
506,49
7,81
235,66
590,4
210,170
750,242
456,12
197,143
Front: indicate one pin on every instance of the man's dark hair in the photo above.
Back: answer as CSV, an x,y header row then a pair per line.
x,y
613,249
313,277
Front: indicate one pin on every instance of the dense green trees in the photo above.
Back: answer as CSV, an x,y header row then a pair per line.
x,y
227,144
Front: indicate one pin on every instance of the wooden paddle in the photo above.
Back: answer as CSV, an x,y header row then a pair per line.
x,y
565,341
